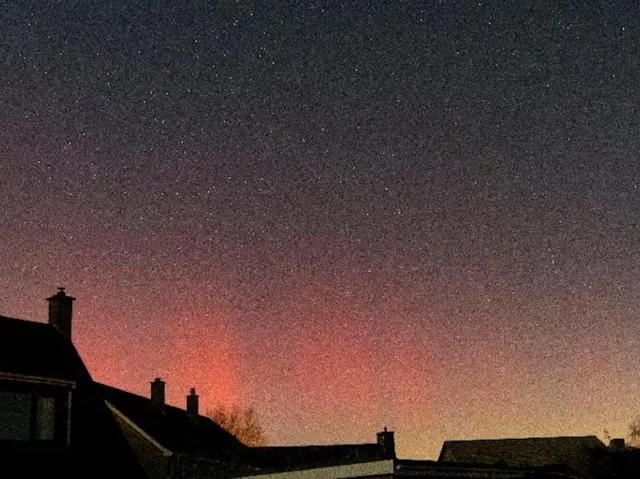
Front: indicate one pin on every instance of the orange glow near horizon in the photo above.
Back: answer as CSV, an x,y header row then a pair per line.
x,y
199,354
340,377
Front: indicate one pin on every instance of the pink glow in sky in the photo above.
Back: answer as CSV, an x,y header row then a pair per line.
x,y
348,215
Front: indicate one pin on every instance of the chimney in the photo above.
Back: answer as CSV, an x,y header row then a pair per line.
x,y
192,403
60,308
617,444
387,442
157,392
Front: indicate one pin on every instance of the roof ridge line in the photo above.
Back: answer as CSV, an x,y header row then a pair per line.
x,y
31,321
140,396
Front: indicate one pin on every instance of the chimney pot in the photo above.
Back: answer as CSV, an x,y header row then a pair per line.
x,y
386,441
157,391
192,403
60,312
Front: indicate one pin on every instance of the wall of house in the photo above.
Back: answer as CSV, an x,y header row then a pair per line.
x,y
188,467
370,470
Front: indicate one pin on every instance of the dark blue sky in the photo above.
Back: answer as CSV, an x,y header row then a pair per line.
x,y
456,182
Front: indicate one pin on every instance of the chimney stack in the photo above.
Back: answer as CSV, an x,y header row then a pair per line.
x,y
60,310
157,392
192,403
387,442
617,444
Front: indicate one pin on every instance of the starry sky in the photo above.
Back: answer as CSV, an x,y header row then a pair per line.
x,y
348,214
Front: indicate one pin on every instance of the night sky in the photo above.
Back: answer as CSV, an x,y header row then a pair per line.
x,y
348,214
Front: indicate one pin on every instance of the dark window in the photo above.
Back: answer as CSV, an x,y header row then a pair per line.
x,y
36,415
15,416
45,418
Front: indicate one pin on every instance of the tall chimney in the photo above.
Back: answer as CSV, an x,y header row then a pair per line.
x,y
60,309
192,403
157,392
387,442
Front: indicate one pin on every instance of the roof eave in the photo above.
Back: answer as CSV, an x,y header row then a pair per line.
x,y
25,378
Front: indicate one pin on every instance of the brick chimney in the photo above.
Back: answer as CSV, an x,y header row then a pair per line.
x,y
157,392
60,310
387,442
192,403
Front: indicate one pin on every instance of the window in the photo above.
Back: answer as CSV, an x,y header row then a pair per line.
x,y
15,416
45,418
33,416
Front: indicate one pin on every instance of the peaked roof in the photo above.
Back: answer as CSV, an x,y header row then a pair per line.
x,y
173,428
37,349
578,453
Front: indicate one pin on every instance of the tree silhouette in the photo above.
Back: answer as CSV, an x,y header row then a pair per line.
x,y
634,433
242,423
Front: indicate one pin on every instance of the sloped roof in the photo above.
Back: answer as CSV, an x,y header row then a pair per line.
x,y
38,349
579,453
173,428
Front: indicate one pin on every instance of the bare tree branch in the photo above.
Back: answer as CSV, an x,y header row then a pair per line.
x,y
243,424
634,433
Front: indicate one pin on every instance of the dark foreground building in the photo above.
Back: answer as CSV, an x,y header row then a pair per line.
x,y
52,421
